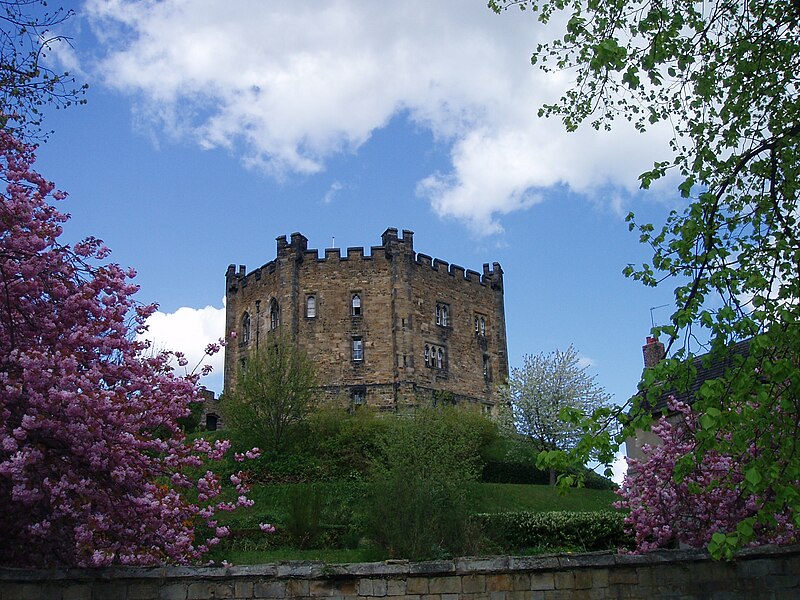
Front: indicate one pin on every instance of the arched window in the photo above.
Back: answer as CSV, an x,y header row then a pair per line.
x,y
311,307
439,358
274,314
444,315
356,305
483,326
245,328
427,356
477,329
438,314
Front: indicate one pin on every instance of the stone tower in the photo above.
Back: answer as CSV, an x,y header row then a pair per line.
x,y
390,329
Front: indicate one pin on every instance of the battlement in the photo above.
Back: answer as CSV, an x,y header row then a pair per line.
x,y
296,246
491,276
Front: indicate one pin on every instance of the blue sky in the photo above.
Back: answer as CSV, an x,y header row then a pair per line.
x,y
212,128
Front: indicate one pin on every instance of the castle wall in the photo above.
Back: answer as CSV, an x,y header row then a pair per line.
x,y
398,292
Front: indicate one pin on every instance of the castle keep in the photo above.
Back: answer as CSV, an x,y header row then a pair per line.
x,y
389,329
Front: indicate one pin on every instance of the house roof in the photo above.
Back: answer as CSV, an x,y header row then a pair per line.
x,y
705,368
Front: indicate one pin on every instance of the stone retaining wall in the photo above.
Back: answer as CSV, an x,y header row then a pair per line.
x,y
764,573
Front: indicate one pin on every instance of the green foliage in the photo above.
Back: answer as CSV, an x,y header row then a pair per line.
x,y
418,505
724,76
582,531
274,390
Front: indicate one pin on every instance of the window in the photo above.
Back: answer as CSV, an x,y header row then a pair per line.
x,y
356,305
435,357
245,328
358,349
442,314
480,325
274,315
311,307
359,396
486,368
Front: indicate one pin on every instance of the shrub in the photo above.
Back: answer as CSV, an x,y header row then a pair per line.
x,y
585,531
417,507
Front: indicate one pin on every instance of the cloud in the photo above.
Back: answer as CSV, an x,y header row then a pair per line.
x,y
289,85
332,192
190,330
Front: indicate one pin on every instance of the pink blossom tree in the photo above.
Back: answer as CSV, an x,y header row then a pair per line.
x,y
674,497
94,469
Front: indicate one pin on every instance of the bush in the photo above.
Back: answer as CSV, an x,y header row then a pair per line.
x,y
584,531
418,508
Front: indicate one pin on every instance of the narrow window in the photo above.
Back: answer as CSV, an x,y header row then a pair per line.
x,y
311,307
245,328
356,304
486,371
439,357
358,349
427,356
274,315
359,396
483,326
477,329
442,314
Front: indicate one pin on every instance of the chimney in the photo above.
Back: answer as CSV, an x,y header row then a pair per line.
x,y
653,351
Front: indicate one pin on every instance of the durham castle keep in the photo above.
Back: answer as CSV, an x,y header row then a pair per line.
x,y
390,329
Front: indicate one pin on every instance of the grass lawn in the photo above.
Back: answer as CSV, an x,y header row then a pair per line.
x,y
511,497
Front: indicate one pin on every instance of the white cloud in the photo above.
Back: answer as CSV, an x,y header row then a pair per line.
x,y
332,192
190,330
288,85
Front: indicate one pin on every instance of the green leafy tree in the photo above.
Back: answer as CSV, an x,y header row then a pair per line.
x,y
275,388
27,83
548,395
724,74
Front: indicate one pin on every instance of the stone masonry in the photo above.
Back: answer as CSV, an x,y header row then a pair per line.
x,y
390,329
768,573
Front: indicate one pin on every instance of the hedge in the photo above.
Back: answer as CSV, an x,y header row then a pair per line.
x,y
585,531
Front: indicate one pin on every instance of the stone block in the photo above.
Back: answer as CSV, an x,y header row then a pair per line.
x,y
624,575
417,585
499,583
243,589
521,581
78,591
599,578
106,590
565,580
297,587
542,581
378,587
583,580
445,585
269,589
396,587
473,584
172,591
140,591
